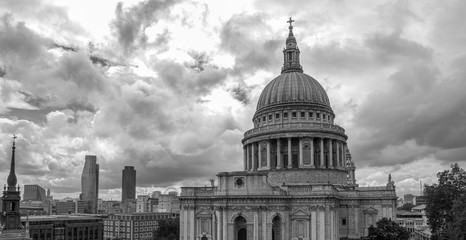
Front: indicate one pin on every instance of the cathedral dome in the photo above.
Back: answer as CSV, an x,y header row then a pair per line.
x,y
293,88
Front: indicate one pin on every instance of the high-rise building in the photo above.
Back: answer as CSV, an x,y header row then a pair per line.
x,y
90,183
128,189
34,192
11,227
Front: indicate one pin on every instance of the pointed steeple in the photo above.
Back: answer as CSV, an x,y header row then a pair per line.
x,y
12,181
291,52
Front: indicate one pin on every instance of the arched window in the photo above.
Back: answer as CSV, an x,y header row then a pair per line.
x,y
276,228
240,228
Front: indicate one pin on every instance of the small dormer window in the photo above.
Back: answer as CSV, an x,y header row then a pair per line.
x,y
277,116
311,114
263,118
285,115
303,114
270,117
293,114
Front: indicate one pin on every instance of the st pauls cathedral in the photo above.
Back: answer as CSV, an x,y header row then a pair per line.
x,y
298,180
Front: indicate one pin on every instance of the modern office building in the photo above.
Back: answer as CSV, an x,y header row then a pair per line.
x,y
65,227
71,206
128,185
90,183
10,219
34,192
135,226
298,177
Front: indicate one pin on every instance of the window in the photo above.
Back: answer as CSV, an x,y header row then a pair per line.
x,y
303,114
324,117
258,120
311,114
277,116
318,115
285,115
293,114
270,117
263,118
343,221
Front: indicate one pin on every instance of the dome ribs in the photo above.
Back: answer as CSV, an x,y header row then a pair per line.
x,y
293,87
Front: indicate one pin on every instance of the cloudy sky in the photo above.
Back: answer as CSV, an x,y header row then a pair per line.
x,y
170,86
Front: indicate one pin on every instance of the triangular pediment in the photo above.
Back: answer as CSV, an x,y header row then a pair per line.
x,y
300,213
370,211
204,212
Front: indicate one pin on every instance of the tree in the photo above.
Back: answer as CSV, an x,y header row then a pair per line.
x,y
168,229
387,229
445,204
407,206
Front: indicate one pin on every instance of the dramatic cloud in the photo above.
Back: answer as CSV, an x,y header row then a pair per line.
x,y
130,24
394,73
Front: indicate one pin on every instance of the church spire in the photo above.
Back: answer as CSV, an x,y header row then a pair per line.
x,y
12,177
291,52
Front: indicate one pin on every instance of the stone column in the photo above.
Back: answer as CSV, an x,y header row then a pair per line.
x,y
250,157
225,224
254,166
343,154
321,222
245,161
264,225
330,153
312,153
313,223
322,162
259,153
193,222
212,227
279,157
219,224
290,162
185,225
301,159
338,153
332,223
268,155
256,226
327,222
356,220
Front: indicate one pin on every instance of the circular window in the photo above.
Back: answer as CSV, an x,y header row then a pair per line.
x,y
239,182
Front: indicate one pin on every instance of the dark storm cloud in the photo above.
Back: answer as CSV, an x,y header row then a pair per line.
x,y
241,93
253,51
421,105
130,24
392,48
185,80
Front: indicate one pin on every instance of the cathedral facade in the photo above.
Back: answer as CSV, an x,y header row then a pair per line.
x,y
298,180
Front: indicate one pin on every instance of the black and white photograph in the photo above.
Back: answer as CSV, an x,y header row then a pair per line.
x,y
233,119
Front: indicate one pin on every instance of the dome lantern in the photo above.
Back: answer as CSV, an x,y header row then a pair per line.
x,y
291,53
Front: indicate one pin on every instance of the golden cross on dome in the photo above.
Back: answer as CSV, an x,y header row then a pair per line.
x,y
290,22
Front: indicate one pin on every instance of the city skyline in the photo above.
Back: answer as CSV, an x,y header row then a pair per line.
x,y
180,115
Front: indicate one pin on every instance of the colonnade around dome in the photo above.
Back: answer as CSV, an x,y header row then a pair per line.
x,y
294,153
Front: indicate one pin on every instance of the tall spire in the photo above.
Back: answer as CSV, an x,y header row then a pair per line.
x,y
291,52
12,177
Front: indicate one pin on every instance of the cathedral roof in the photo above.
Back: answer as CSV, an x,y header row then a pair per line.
x,y
293,87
